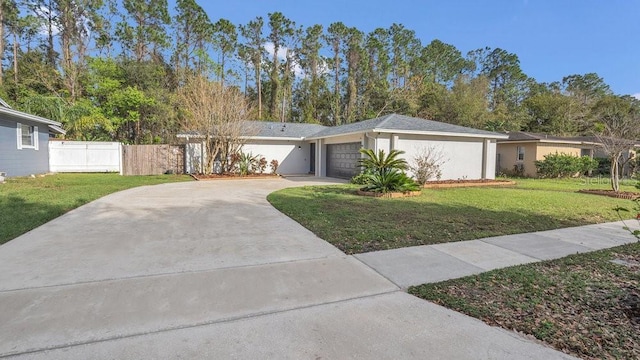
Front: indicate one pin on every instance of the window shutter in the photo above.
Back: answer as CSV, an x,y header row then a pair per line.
x,y
19,133
35,137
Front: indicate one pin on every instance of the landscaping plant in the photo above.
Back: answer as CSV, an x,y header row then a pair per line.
x,y
565,165
247,163
385,172
426,165
274,166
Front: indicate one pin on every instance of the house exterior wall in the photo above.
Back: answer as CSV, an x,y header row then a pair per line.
x,y
507,158
568,149
533,151
26,161
85,156
462,157
293,156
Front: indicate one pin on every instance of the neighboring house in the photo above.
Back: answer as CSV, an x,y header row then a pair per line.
x,y
518,153
334,151
24,142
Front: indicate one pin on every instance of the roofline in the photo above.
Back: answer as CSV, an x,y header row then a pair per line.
x,y
272,138
572,142
31,117
413,132
57,129
441,133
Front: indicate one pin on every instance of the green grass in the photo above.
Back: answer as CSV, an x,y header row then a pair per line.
x,y
27,203
357,224
583,304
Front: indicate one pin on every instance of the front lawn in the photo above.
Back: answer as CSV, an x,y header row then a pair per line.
x,y
27,203
357,224
585,304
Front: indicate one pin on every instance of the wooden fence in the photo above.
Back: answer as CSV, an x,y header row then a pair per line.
x,y
152,159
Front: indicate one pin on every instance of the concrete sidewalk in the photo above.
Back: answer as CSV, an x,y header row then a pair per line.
x,y
432,263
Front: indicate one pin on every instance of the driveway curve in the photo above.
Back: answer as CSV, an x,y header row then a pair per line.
x,y
211,270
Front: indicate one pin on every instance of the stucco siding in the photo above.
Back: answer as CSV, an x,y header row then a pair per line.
x,y
26,161
293,156
461,158
508,153
533,151
492,150
567,149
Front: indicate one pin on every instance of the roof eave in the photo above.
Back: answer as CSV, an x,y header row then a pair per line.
x,y
442,133
272,138
30,117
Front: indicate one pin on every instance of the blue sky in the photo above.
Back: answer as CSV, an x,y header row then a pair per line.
x,y
553,39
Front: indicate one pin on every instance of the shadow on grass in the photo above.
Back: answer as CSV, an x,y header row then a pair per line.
x,y
357,224
20,215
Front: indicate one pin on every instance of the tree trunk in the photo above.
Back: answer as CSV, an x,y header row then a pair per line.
x,y
15,56
615,181
1,42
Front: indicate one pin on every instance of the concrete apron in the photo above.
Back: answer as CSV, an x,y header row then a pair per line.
x,y
211,270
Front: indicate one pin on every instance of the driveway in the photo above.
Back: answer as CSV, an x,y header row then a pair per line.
x,y
211,270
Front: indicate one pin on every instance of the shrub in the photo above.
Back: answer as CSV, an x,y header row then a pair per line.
x,y
274,166
426,165
390,180
262,165
247,163
385,173
564,165
380,162
361,179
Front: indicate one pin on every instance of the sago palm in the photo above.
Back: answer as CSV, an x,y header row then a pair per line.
x,y
381,162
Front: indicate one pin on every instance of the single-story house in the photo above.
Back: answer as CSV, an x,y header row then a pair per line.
x,y
334,151
518,153
24,142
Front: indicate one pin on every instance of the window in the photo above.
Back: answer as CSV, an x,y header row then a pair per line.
x,y
27,136
520,156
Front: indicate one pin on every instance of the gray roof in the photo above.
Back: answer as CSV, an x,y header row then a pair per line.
x,y
517,136
395,122
283,130
54,126
388,123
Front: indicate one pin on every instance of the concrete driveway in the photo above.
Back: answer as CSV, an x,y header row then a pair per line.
x,y
210,270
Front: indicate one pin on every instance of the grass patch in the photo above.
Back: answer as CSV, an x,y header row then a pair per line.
x,y
357,224
27,203
583,304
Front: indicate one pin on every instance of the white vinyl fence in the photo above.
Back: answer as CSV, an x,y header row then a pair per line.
x,y
85,156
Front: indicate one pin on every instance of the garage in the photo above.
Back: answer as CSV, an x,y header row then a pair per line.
x,y
342,160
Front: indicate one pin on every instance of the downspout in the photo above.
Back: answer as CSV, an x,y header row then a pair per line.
x,y
375,143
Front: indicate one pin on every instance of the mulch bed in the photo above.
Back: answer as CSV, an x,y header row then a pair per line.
x,y
233,176
629,195
466,183
390,195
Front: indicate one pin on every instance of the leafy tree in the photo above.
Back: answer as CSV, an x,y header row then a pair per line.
x,y
376,97
254,50
335,37
405,48
313,87
551,113
193,33
226,40
142,31
354,54
442,63
280,27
